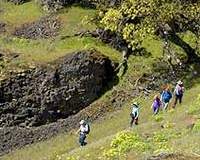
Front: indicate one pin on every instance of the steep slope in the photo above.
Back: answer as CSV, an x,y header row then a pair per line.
x,y
145,73
172,123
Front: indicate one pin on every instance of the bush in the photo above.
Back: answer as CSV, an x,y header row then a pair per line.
x,y
124,142
158,142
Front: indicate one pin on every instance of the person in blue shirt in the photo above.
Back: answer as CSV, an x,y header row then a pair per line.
x,y
166,96
134,114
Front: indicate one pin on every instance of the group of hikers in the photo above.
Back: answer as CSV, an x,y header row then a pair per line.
x,y
160,102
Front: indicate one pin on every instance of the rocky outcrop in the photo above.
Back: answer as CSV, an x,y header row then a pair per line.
x,y
44,95
46,27
17,2
55,5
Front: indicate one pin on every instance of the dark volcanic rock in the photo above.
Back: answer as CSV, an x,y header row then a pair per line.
x,y
46,27
17,2
113,39
44,95
55,5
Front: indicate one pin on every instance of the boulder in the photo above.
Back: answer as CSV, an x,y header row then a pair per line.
x,y
46,94
54,5
45,27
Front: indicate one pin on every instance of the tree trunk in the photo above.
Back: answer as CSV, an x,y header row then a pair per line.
x,y
191,53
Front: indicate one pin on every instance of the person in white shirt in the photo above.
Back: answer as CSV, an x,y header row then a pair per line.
x,y
178,92
134,114
83,131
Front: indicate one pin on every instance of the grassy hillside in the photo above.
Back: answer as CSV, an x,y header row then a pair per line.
x,y
176,132
33,52
150,137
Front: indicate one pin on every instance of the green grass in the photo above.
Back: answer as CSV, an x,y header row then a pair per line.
x,y
74,19
112,124
190,38
16,15
41,51
103,131
153,46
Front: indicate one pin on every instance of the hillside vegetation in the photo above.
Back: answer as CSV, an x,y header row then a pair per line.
x,y
170,132
161,42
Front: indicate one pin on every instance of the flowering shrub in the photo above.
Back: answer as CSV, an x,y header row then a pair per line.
x,y
124,142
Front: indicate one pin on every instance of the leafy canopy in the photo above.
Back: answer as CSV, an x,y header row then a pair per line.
x,y
137,19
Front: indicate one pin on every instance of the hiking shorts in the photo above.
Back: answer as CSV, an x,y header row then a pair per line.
x,y
133,119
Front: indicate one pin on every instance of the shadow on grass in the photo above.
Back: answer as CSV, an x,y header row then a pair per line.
x,y
163,73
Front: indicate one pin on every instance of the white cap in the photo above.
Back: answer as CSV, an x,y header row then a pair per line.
x,y
135,103
82,122
180,82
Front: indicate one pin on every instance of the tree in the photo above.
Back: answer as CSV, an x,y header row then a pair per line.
x,y
137,19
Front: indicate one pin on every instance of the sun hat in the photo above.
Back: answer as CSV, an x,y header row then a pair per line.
x,y
180,82
82,122
135,103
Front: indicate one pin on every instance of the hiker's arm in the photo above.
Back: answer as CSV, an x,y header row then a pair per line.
x,y
175,90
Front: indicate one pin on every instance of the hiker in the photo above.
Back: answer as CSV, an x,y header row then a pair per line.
x,y
166,97
134,114
179,90
83,132
156,104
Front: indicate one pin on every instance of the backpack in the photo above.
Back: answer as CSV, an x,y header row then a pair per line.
x,y
167,96
88,131
180,90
